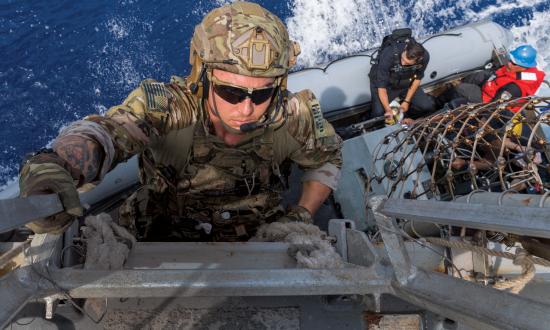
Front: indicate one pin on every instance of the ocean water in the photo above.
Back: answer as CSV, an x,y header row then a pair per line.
x,y
61,60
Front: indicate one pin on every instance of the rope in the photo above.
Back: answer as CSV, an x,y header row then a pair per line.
x,y
521,258
107,244
527,273
308,244
483,250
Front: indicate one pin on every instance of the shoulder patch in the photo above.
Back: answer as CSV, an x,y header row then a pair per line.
x,y
319,121
156,96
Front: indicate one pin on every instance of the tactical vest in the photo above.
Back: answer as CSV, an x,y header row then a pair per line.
x,y
193,161
401,77
202,180
528,82
190,176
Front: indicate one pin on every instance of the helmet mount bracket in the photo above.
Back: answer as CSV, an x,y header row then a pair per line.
x,y
259,51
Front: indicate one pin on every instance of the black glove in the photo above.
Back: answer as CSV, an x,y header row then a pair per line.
x,y
296,213
43,174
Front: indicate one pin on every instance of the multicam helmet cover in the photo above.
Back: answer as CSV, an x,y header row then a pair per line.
x,y
243,38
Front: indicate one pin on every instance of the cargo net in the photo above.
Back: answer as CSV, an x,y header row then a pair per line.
x,y
497,146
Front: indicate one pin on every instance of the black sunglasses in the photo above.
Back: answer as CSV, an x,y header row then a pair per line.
x,y
235,95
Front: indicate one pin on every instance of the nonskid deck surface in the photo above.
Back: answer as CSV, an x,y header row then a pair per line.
x,y
249,313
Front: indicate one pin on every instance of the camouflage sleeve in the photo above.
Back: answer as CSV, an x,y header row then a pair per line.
x,y
319,152
94,145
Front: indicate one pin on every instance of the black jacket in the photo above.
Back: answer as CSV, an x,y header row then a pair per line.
x,y
388,72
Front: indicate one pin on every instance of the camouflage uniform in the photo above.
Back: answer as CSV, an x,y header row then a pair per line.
x,y
192,181
190,176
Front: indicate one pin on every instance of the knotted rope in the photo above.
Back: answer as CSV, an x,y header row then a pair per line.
x,y
527,273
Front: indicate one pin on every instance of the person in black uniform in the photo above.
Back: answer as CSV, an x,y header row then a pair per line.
x,y
398,73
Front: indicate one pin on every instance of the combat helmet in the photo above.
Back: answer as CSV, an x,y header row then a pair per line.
x,y
242,38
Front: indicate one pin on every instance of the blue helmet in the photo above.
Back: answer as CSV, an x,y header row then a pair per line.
x,y
525,56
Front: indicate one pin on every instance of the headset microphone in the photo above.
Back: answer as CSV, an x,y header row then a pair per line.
x,y
249,127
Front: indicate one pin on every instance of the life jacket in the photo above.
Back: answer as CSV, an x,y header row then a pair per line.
x,y
401,77
528,82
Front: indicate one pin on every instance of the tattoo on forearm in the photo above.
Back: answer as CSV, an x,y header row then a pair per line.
x,y
84,156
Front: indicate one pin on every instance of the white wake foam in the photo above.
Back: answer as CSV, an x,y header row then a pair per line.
x,y
537,33
326,29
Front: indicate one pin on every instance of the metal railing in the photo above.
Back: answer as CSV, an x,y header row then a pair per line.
x,y
237,269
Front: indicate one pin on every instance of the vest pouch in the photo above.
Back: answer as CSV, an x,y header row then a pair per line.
x,y
241,225
193,227
140,211
234,226
158,177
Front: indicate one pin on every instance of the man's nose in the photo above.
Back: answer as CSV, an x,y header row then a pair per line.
x,y
246,107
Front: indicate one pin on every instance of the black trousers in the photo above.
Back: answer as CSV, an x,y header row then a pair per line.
x,y
461,94
421,105
468,91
